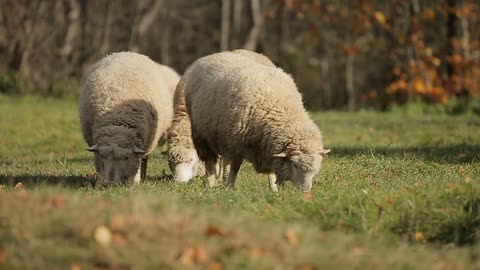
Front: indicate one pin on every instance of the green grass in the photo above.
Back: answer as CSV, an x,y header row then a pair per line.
x,y
399,191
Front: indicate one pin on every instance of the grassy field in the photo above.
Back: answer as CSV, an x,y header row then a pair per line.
x,y
399,191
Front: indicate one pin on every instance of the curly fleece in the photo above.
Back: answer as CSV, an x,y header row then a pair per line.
x,y
179,135
126,102
240,108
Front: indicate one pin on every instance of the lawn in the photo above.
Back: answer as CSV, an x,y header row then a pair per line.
x,y
399,191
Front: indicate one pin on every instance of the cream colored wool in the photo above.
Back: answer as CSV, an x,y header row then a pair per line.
x,y
170,76
242,109
180,143
125,102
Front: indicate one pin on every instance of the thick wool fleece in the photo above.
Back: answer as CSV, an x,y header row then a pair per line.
x,y
170,76
124,98
179,136
240,108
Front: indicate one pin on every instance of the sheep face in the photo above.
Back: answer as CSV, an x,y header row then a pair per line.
x,y
300,167
183,163
116,164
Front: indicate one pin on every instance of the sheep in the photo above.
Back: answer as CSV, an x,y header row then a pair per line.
x,y
125,106
242,109
181,154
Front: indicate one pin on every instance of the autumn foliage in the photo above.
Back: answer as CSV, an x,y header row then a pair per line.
x,y
343,54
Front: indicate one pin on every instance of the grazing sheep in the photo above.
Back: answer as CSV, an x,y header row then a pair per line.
x,y
125,106
242,109
181,154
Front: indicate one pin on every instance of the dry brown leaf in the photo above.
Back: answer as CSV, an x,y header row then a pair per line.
x,y
215,266
59,201
214,230
119,239
19,186
357,251
75,267
307,196
419,237
193,255
291,237
186,257
201,255
255,252
304,267
102,235
3,255
118,222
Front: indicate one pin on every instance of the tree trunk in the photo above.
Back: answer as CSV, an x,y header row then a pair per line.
x,y
73,29
144,19
225,25
237,23
451,33
350,83
165,42
253,36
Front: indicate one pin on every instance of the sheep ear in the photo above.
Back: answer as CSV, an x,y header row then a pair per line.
x,y
324,152
138,151
93,148
283,154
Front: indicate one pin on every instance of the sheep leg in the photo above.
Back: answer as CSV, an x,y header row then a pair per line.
x,y
226,170
144,164
211,170
234,168
273,182
137,177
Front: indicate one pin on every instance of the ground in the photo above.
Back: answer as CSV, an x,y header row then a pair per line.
x,y
399,190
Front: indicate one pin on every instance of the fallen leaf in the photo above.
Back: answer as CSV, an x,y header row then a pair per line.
x,y
19,186
59,201
452,186
3,255
307,196
119,239
215,266
201,255
193,255
118,222
357,251
255,252
75,267
102,235
214,230
291,237
187,256
419,237
303,267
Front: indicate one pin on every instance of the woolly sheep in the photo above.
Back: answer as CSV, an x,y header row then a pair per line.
x,y
242,109
125,106
181,154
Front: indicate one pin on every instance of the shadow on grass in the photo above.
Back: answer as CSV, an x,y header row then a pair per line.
x,y
455,154
38,180
74,181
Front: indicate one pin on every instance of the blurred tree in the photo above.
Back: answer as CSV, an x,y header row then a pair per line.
x,y
343,54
